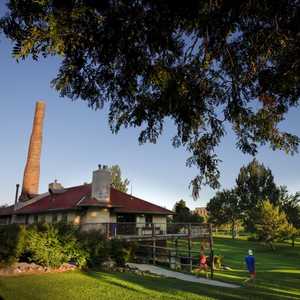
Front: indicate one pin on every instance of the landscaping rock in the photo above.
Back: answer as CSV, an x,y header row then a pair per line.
x,y
108,265
22,267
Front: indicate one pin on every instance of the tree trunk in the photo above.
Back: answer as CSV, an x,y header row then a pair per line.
x,y
233,233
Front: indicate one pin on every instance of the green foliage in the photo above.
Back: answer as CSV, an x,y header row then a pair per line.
x,y
224,208
48,245
12,243
184,215
271,224
96,245
54,244
44,247
117,182
122,251
254,184
203,64
291,206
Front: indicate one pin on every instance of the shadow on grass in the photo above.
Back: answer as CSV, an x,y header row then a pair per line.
x,y
172,287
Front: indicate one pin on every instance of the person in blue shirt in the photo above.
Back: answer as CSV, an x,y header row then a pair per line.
x,y
250,263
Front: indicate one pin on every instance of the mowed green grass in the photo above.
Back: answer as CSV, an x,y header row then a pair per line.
x,y
278,272
278,278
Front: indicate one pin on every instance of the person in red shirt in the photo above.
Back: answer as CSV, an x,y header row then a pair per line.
x,y
202,263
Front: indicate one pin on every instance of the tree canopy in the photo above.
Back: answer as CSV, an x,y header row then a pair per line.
x,y
117,181
203,64
271,224
254,184
224,208
291,206
184,215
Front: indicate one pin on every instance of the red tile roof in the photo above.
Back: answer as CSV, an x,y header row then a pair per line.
x,y
78,196
127,203
66,200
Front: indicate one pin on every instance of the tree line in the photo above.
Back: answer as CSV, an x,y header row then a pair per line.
x,y
263,208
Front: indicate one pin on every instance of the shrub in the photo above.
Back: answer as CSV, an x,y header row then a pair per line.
x,y
96,246
43,246
72,249
49,245
54,244
12,238
122,251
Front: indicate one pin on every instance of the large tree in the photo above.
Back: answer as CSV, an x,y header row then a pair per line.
x,y
224,208
271,224
254,184
117,181
202,64
182,214
291,206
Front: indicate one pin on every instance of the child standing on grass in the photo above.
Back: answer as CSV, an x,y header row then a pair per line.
x,y
250,263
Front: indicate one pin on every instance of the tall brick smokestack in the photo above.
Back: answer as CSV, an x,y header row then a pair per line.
x,y
32,169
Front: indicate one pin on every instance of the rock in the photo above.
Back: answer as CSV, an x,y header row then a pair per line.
x,y
23,267
108,265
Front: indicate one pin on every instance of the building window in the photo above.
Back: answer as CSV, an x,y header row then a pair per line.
x,y
148,220
54,218
42,219
35,218
64,217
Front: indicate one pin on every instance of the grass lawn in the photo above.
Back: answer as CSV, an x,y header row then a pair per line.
x,y
278,278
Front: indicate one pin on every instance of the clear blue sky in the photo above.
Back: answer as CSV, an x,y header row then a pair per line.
x,y
77,139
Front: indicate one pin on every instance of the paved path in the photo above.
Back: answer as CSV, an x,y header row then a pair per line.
x,y
161,271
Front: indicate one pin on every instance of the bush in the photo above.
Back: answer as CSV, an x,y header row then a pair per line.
x,y
48,246
12,238
52,245
122,251
72,249
43,246
96,246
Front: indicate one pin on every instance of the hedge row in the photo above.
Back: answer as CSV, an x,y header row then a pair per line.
x,y
54,244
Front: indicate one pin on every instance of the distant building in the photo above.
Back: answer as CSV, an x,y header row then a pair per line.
x,y
201,211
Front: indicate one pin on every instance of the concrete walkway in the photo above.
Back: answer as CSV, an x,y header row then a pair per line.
x,y
172,274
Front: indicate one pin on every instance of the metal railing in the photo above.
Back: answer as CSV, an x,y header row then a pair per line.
x,y
132,229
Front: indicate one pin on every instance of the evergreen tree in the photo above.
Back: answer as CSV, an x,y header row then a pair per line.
x,y
117,182
184,215
291,206
254,184
271,224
